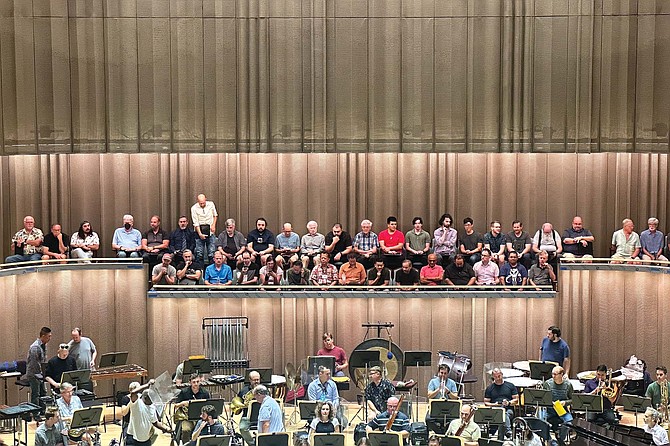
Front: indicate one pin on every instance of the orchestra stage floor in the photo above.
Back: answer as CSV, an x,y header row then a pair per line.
x,y
114,431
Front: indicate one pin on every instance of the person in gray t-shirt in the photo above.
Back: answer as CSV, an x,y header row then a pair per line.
x,y
82,349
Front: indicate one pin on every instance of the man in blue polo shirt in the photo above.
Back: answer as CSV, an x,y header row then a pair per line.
x,y
555,349
218,273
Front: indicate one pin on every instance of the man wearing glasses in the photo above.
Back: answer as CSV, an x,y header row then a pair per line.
x,y
378,391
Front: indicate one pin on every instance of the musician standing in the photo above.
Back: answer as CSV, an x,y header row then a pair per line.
x,y
555,349
658,388
502,393
594,387
60,363
37,354
561,390
208,424
83,350
470,430
245,423
192,392
377,392
400,423
442,386
270,417
330,349
143,415
52,431
652,419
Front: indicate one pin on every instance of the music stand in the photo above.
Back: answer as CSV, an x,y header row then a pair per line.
x,y
82,418
417,359
333,439
363,359
200,366
537,398
314,362
490,415
266,375
113,359
385,438
586,402
76,377
635,403
444,410
307,410
213,440
195,407
541,370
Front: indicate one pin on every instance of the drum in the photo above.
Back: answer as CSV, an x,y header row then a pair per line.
x,y
586,375
278,385
395,370
577,385
523,382
459,364
522,365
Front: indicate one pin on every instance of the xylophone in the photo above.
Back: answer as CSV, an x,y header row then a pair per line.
x,y
128,371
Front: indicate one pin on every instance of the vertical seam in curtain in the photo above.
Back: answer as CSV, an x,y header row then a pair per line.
x,y
36,126
69,65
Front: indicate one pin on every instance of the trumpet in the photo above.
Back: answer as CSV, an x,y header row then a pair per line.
x,y
443,388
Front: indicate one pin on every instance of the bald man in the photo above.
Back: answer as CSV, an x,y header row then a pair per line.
x,y
204,216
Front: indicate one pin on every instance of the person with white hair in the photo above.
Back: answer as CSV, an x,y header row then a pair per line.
x,y
127,241
366,244
651,426
625,242
652,241
312,245
270,417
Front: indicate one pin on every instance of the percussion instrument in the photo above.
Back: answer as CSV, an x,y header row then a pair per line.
x,y
508,373
522,365
128,371
523,381
278,386
590,374
226,341
459,364
395,370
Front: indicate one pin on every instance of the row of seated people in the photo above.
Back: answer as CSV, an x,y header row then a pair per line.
x,y
512,274
391,244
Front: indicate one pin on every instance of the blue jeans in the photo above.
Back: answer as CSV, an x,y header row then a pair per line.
x,y
23,258
200,247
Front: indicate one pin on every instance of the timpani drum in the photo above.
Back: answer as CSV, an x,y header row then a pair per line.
x,y
522,365
522,382
577,385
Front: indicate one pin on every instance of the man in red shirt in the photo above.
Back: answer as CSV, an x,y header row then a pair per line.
x,y
330,349
391,242
432,273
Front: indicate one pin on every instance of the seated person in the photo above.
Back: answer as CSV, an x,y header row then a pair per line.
x,y
330,349
441,386
352,272
366,244
324,388
548,239
338,244
518,240
512,273
417,243
218,273
595,386
270,274
407,276
377,392
287,246
312,245
181,239
84,243
651,241
189,272
324,421
459,272
471,431
432,273
52,432
504,394
208,424
60,363
561,390
164,273
471,243
379,275
445,240
185,395
625,243
127,241
56,244
324,274
495,242
260,242
68,401
247,272
297,275
26,243
231,243
486,271
391,243
155,242
400,423
652,419
577,240
541,273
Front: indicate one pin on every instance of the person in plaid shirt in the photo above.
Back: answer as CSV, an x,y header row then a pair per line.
x,y
366,244
325,273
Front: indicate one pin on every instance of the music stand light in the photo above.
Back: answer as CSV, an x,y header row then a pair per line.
x,y
113,359
385,438
417,359
634,403
587,403
200,366
333,439
213,440
195,407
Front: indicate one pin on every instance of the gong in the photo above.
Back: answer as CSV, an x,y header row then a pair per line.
x,y
395,370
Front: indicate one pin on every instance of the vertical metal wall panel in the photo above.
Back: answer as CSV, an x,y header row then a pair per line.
x,y
153,8
321,201
85,8
220,84
120,8
186,8
419,8
451,83
187,83
384,8
49,8
122,84
384,82
297,194
87,69
418,81
286,84
284,8
154,77
652,89
348,8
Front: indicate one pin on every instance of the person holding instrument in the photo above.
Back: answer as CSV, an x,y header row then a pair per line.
x,y
391,419
596,386
377,392
465,427
502,393
193,392
52,432
442,387
143,416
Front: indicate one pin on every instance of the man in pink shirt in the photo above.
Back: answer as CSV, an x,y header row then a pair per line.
x,y
486,271
432,273
391,243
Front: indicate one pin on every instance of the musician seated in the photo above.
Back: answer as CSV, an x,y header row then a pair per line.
x,y
52,431
68,401
465,426
60,363
208,424
652,419
400,421
323,388
441,386
193,392
324,421
434,440
502,393
247,396
595,386
377,392
561,390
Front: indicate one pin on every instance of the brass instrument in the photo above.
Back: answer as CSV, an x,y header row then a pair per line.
x,y
610,390
663,407
238,405
520,432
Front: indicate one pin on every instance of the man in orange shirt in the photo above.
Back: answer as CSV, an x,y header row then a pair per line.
x,y
352,272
